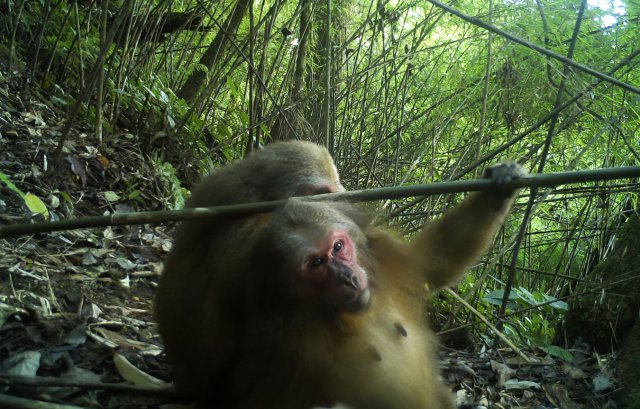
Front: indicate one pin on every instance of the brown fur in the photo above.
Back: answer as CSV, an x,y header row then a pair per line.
x,y
240,336
197,303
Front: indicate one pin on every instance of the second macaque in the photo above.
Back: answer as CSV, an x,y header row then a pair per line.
x,y
313,306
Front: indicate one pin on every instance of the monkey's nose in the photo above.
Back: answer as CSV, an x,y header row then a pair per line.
x,y
348,279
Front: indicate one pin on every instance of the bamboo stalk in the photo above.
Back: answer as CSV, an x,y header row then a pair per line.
x,y
155,217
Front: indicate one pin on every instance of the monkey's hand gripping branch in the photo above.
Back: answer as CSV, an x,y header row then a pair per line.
x,y
503,173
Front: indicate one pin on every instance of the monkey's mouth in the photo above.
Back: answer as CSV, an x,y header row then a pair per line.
x,y
360,301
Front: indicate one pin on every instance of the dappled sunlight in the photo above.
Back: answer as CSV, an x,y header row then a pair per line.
x,y
614,9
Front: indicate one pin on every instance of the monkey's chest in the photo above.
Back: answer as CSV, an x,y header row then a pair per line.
x,y
390,364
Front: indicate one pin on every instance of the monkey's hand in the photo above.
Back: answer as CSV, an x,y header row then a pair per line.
x,y
501,174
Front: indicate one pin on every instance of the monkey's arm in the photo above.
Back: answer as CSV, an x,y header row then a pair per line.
x,y
444,249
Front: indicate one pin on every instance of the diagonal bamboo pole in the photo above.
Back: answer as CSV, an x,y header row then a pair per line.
x,y
119,219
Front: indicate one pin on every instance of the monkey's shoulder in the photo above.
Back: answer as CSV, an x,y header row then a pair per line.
x,y
394,265
385,245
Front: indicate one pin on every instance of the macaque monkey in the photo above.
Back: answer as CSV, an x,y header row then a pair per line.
x,y
314,306
198,302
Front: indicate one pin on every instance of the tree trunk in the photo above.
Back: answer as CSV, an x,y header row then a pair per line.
x,y
607,319
604,319
326,119
301,60
628,374
291,124
215,51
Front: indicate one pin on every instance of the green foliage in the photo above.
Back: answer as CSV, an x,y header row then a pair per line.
x,y
557,352
166,102
167,175
521,297
634,400
36,205
9,184
536,325
417,95
131,191
33,202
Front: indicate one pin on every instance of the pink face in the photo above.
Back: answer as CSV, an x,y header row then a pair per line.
x,y
331,273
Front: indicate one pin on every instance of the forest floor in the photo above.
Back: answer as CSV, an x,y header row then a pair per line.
x,y
76,306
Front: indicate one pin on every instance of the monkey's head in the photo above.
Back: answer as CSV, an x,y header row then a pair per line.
x,y
293,168
314,248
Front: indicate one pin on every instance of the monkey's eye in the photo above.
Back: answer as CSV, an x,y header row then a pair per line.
x,y
317,262
337,246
